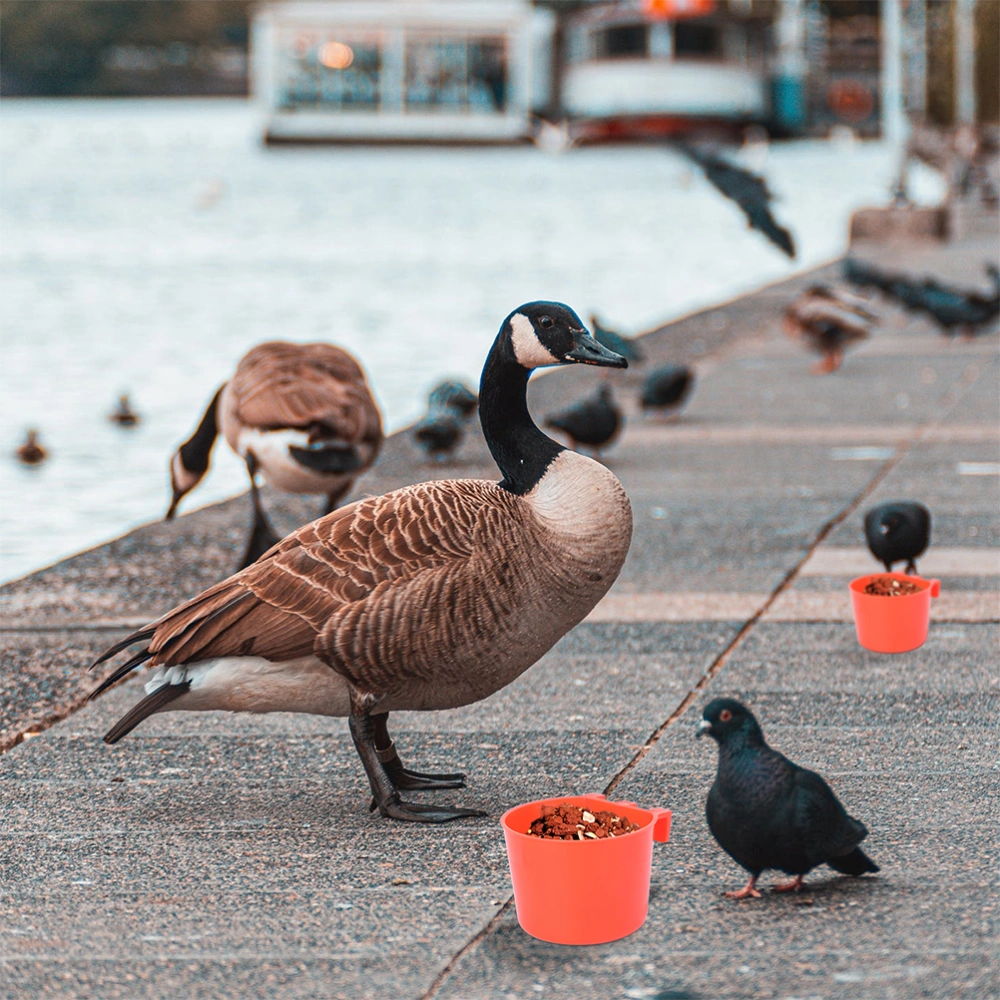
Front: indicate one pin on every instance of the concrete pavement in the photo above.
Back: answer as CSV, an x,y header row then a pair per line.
x,y
210,856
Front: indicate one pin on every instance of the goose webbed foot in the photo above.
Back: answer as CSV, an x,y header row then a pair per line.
x,y
387,776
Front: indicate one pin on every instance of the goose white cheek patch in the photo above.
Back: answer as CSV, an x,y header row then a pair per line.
x,y
528,349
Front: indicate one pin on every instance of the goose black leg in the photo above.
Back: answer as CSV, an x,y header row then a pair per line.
x,y
262,535
333,499
363,728
403,777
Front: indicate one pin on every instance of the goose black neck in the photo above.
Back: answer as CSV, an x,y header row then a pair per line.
x,y
521,450
196,450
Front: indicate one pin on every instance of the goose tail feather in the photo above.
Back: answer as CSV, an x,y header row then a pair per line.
x,y
149,705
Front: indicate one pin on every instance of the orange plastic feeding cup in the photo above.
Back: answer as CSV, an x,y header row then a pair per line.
x,y
582,891
892,624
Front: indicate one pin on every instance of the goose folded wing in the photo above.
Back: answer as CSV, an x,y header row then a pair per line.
x,y
359,563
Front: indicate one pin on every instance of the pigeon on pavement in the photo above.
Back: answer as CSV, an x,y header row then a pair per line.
x,y
767,812
898,530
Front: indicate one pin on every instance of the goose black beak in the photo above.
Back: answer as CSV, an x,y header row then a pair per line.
x,y
587,351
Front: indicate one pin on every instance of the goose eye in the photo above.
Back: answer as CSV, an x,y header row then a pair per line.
x,y
725,715
545,322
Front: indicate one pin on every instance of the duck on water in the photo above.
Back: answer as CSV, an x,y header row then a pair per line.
x,y
429,597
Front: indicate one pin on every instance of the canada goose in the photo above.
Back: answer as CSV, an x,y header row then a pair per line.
x,y
593,422
429,597
123,414
827,324
898,530
666,389
301,414
614,341
31,452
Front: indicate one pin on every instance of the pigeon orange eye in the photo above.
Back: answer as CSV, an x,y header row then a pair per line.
x,y
725,715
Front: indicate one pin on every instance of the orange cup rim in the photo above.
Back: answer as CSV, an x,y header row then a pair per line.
x,y
649,818
859,583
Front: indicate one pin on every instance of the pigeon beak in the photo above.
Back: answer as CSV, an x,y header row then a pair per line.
x,y
703,727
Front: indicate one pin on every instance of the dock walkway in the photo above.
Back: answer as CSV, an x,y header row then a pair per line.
x,y
214,856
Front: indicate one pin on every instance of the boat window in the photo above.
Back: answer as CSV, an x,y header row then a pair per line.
x,y
621,41
455,74
694,39
338,71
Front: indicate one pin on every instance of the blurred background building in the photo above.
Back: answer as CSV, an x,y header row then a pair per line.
x,y
487,70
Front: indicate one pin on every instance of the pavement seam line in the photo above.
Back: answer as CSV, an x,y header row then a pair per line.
x,y
949,402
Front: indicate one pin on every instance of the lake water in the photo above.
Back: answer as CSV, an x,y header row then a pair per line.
x,y
146,245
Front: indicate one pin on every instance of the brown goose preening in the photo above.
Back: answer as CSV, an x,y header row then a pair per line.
x,y
829,322
429,597
300,414
31,452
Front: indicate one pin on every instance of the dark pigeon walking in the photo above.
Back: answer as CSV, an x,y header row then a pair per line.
x,y
898,530
667,388
453,396
767,812
438,433
593,422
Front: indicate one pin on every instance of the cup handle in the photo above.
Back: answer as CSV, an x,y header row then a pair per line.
x,y
935,588
661,824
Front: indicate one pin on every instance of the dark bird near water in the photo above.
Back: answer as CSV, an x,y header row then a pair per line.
x,y
450,407
828,323
31,452
593,422
300,414
429,597
123,414
666,389
898,530
438,433
614,341
748,190
454,396
767,812
953,309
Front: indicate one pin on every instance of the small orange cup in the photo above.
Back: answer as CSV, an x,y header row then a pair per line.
x,y
892,624
582,891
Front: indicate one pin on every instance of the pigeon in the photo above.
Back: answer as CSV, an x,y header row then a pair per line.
x,y
828,324
454,396
953,309
748,190
767,812
438,433
614,341
666,389
898,530
594,422
449,407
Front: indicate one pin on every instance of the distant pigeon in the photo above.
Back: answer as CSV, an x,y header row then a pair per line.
x,y
748,190
593,422
614,341
829,322
438,434
767,812
454,396
666,389
898,530
31,452
953,309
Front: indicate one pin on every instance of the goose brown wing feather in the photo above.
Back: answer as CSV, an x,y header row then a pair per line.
x,y
280,385
355,585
